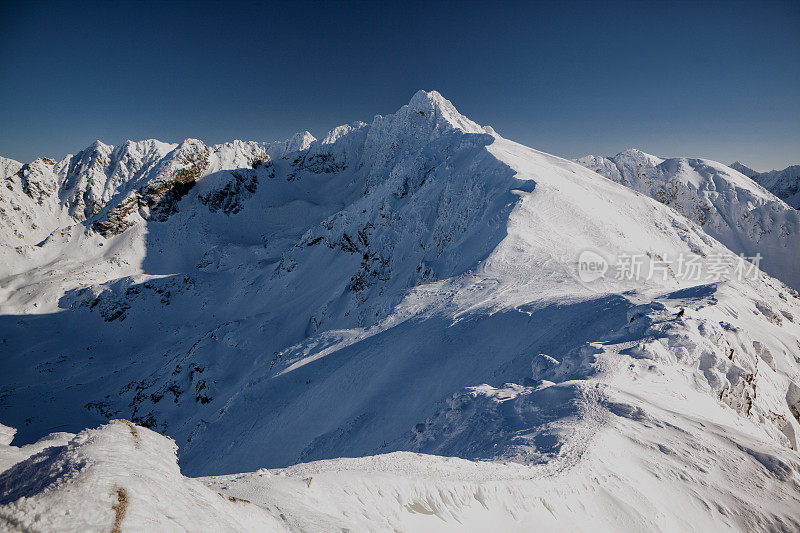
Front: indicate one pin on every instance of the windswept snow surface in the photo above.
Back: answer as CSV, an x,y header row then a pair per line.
x,y
388,329
119,477
125,476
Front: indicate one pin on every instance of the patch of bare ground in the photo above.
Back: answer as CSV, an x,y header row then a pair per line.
x,y
119,509
134,431
234,499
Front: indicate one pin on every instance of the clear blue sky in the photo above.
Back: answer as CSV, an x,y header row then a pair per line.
x,y
711,79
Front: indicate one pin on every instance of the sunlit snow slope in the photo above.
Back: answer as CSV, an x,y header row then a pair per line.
x,y
729,205
404,294
785,184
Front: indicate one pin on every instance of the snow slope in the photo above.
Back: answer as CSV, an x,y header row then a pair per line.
x,y
392,321
785,184
728,205
743,169
120,477
84,483
111,188
8,167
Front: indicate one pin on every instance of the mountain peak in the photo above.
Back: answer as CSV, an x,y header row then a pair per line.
x,y
99,145
744,169
423,99
228,294
635,152
300,141
8,166
636,157
430,103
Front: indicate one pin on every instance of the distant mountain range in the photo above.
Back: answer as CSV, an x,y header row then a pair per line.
x,y
734,209
785,184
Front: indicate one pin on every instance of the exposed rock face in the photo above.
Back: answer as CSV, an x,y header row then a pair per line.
x,y
101,172
229,199
162,197
110,188
29,204
118,219
157,199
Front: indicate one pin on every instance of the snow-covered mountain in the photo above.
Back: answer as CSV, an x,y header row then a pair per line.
x,y
785,184
412,323
743,169
8,167
729,206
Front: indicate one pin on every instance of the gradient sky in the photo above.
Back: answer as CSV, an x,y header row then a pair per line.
x,y
710,79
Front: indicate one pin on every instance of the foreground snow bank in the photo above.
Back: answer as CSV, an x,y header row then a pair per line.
x,y
691,477
117,477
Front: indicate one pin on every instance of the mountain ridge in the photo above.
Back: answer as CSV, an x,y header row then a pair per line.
x,y
739,212
785,184
402,293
